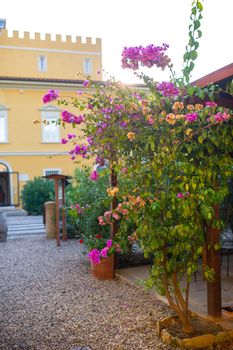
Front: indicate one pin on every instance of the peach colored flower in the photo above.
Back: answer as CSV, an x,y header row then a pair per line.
x,y
188,132
112,191
190,107
179,116
131,136
171,119
198,107
178,106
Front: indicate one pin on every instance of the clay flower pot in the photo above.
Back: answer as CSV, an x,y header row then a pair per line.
x,y
104,270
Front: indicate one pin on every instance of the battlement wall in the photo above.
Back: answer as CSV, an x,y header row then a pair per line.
x,y
48,41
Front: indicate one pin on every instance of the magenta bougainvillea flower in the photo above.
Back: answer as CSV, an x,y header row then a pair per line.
x,y
109,243
94,176
71,136
64,141
220,117
94,256
167,89
86,83
68,117
148,56
211,104
50,96
190,118
104,252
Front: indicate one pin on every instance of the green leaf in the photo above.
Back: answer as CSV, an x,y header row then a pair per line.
x,y
197,24
200,139
199,6
194,10
186,56
193,55
191,41
196,45
191,66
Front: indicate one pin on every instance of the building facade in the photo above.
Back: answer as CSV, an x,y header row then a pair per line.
x,y
30,66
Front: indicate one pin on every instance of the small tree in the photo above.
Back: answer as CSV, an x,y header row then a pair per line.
x,y
178,154
35,193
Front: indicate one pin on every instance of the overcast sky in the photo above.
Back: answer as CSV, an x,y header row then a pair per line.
x,y
130,23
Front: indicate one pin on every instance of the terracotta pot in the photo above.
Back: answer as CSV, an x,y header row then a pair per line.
x,y
104,270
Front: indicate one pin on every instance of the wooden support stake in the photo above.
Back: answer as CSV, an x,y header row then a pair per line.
x,y
57,214
113,183
213,260
64,231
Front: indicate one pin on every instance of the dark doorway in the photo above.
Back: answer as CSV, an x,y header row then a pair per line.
x,y
9,187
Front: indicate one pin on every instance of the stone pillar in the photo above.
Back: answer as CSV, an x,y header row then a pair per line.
x,y
50,220
3,227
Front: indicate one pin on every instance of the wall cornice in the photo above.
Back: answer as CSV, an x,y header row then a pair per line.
x,y
34,153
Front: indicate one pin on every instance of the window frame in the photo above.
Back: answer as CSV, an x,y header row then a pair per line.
x,y
87,71
40,69
4,116
46,114
56,170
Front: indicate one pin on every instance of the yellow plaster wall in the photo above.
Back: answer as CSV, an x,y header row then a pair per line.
x,y
34,165
19,56
25,107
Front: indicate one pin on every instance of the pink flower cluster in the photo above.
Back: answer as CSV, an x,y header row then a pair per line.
x,y
79,150
95,255
182,195
108,215
167,89
90,140
192,117
78,208
147,56
86,83
220,117
211,104
68,117
50,96
69,137
94,176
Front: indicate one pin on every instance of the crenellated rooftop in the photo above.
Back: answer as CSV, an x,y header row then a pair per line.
x,y
48,41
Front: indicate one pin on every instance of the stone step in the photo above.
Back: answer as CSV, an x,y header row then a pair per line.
x,y
11,211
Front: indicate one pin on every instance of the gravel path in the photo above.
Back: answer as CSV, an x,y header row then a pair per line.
x,y
49,301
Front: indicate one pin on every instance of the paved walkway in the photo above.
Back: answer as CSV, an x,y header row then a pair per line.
x,y
198,290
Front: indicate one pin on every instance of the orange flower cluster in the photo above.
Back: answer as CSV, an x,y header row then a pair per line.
x,y
171,118
112,191
131,136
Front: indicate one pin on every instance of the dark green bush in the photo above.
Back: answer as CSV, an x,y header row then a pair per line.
x,y
35,193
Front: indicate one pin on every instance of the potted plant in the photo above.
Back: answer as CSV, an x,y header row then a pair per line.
x,y
101,255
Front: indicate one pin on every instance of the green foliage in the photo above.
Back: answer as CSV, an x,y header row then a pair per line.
x,y
35,193
194,34
93,200
178,156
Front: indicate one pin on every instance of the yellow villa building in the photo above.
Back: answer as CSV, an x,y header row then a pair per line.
x,y
29,67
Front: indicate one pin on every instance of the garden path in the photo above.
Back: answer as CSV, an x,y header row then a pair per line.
x,y
50,301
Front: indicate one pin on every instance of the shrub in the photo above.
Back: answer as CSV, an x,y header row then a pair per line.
x,y
35,193
92,199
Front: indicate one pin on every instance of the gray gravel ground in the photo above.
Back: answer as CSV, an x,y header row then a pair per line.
x,y
49,301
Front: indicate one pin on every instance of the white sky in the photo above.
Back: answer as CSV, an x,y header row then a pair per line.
x,y
130,23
